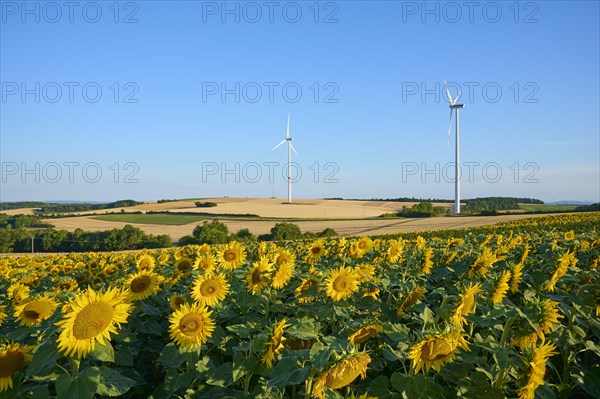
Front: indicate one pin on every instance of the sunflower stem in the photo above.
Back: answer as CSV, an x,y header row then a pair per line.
x,y
75,367
502,372
309,383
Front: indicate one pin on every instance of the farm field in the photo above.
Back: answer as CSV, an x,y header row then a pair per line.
x,y
547,208
510,310
346,227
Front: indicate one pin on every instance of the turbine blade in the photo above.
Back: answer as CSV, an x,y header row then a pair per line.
x,y
448,93
287,132
458,96
449,127
278,145
293,149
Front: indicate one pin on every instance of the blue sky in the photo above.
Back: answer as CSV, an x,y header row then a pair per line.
x,y
186,99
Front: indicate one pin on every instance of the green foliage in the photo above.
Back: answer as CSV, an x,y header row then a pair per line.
x,y
211,233
422,209
479,205
286,231
201,204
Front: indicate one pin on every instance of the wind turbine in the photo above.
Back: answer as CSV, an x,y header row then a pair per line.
x,y
291,148
455,107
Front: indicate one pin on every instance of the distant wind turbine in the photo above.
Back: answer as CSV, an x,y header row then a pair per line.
x,y
455,107
291,148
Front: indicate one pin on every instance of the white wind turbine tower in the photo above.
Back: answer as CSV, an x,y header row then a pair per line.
x,y
456,107
291,148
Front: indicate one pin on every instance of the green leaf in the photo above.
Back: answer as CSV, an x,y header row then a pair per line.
x,y
288,372
123,356
427,316
39,392
319,355
242,365
170,356
501,356
241,330
104,353
150,310
416,387
84,386
591,382
222,376
306,328
44,359
113,383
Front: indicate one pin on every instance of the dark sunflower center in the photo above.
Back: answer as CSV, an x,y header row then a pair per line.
x,y
10,362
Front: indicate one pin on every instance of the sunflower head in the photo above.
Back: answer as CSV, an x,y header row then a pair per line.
x,y
259,275
142,284
341,283
12,360
275,345
92,317
437,350
35,311
231,256
364,333
210,289
176,301
342,374
283,275
191,326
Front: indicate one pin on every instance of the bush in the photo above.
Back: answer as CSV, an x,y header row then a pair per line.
x,y
212,233
328,232
244,235
205,204
422,209
286,231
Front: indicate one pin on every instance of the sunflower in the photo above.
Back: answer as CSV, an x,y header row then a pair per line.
x,y
524,339
537,370
176,301
275,344
371,293
2,314
191,326
305,285
420,242
163,258
342,374
501,287
142,284
111,269
394,251
550,316
466,305
452,256
283,275
92,317
18,293
435,351
185,264
35,311
363,245
364,333
231,256
316,250
12,359
209,290
569,235
364,272
413,296
206,262
259,275
427,262
282,256
484,261
341,283
516,276
563,264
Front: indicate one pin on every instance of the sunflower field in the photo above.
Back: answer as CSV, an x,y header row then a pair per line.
x,y
510,310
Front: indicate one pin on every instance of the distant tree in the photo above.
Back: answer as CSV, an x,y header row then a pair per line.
x,y
244,235
286,231
328,232
7,240
212,233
